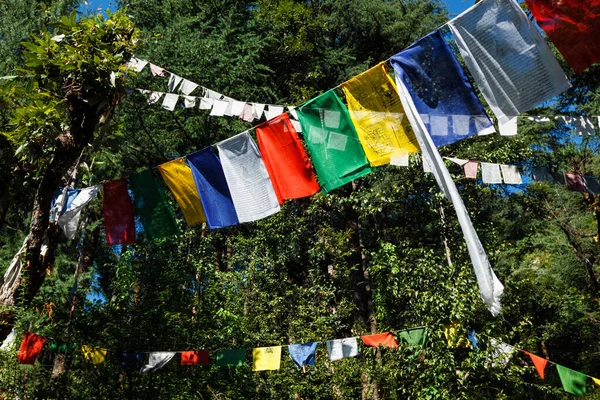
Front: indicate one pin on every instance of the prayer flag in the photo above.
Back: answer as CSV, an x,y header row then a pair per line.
x,y
453,337
170,101
335,150
231,357
377,115
575,182
508,58
266,358
180,180
218,108
174,82
342,348
573,26
61,347
151,206
93,355
539,363
257,110
130,361
154,97
137,64
9,340
559,178
246,114
472,336
490,173
30,348
69,220
206,104
249,183
194,357
118,213
303,354
500,353
237,108
489,286
189,101
414,337
381,339
511,175
273,111
458,161
508,128
285,159
156,70
61,202
596,381
188,87
157,360
212,188
440,89
470,169
592,184
573,381
541,174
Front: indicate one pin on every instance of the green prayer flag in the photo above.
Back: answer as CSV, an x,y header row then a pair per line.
x,y
231,357
62,347
572,381
414,337
152,207
334,147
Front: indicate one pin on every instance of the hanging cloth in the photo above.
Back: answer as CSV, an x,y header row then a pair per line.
x,y
285,159
61,347
130,360
93,355
539,363
335,151
266,358
194,357
152,207
441,91
511,175
414,337
157,360
490,173
249,183
69,220
508,58
303,354
118,213
342,348
180,180
212,188
231,357
573,381
541,174
381,339
575,183
30,348
378,116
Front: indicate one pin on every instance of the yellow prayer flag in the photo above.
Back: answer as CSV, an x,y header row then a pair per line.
x,y
378,116
93,355
596,381
266,358
453,338
178,177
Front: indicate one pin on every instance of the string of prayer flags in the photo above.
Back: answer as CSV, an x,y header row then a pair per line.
x,y
69,220
118,213
151,206
130,361
440,91
93,355
508,58
212,188
414,337
61,347
573,26
194,357
541,174
157,360
511,175
539,363
303,354
377,115
490,287
266,358
572,381
178,177
342,348
333,144
249,183
285,159
380,339
575,183
231,357
31,345
490,173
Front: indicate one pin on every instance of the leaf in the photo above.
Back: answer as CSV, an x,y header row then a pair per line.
x,y
20,148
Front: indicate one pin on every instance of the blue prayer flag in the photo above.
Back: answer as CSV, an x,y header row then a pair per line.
x,y
212,188
130,361
441,91
303,354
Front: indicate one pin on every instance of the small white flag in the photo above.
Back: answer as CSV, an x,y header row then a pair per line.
x,y
490,173
154,97
511,174
189,101
237,107
188,87
273,111
174,82
170,101
508,128
137,64
219,107
257,110
157,360
206,104
342,348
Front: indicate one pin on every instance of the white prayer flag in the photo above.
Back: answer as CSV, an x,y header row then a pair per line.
x,y
227,111
257,110
293,112
489,286
211,94
218,108
342,348
170,101
297,125
508,58
511,175
509,127
156,70
273,111
174,82
157,360
237,107
188,87
458,161
69,221
154,97
206,104
249,183
500,353
189,101
490,173
137,64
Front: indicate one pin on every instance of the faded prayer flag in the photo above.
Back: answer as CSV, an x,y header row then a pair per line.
x,y
378,116
441,91
151,206
572,381
303,354
69,220
285,159
335,151
266,358
118,213
212,188
157,360
342,348
30,348
573,26
180,180
508,58
231,357
381,339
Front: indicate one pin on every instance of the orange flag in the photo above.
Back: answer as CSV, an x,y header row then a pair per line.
x,y
539,362
381,339
286,161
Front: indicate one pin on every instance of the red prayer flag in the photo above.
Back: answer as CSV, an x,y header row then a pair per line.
x,y
381,339
286,161
194,357
573,26
118,213
575,183
539,362
30,348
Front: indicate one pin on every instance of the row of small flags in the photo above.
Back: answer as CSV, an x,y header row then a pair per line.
x,y
302,355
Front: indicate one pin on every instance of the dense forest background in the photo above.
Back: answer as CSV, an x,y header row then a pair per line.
x,y
383,253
